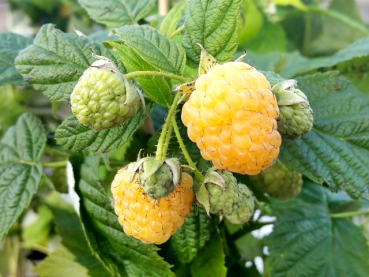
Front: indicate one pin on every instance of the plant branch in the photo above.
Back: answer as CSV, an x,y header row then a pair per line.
x,y
350,214
176,32
197,173
168,137
136,74
160,153
55,164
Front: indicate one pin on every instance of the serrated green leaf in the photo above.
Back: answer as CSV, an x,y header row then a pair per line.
x,y
75,253
306,241
27,138
358,49
170,22
154,48
76,137
210,259
55,61
125,256
336,151
10,46
213,24
191,237
115,13
20,174
348,60
156,87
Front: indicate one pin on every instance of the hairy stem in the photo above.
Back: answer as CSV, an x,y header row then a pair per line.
x,y
168,137
176,32
136,74
187,156
55,164
160,153
350,214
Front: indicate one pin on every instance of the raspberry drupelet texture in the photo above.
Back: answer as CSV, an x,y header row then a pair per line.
x,y
146,219
232,117
102,99
278,181
234,201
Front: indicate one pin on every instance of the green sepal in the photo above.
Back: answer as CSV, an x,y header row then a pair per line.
x,y
286,95
202,196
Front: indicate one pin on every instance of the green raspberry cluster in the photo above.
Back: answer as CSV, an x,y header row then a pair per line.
x,y
234,201
278,181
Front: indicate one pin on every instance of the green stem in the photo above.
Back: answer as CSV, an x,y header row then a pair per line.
x,y
55,164
168,137
136,74
176,32
350,214
341,17
197,173
329,13
160,153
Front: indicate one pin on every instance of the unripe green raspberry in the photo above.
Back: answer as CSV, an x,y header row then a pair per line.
x,y
227,197
278,181
245,207
158,177
295,115
223,197
102,98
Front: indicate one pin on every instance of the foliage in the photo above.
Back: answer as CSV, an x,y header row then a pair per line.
x,y
56,173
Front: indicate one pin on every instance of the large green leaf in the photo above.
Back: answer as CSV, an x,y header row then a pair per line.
x,y
213,24
349,59
170,22
55,61
76,137
307,241
336,151
20,174
156,87
210,259
270,38
10,45
115,13
330,30
74,257
192,236
154,48
123,255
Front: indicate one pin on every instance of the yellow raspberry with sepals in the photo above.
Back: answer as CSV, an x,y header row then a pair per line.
x,y
231,115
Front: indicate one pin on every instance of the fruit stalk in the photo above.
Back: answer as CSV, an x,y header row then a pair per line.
x,y
136,74
160,153
187,156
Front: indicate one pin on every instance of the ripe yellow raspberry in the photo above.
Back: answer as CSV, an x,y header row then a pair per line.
x,y
146,219
232,117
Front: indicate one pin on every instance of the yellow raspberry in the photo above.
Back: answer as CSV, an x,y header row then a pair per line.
x,y
146,219
232,117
